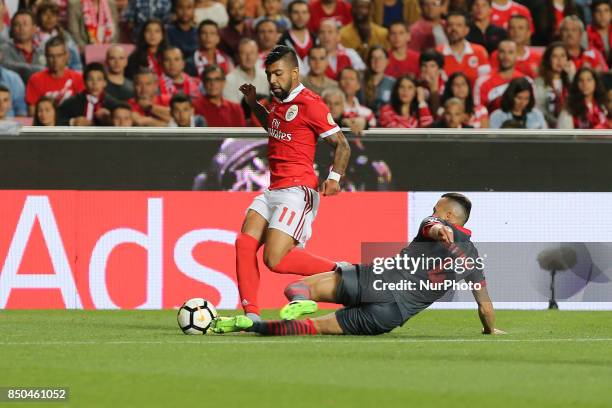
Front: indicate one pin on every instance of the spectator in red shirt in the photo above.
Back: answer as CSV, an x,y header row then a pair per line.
x,y
21,53
489,89
174,79
504,9
461,55
600,31
528,59
149,48
428,31
408,107
572,31
586,102
402,60
57,81
148,108
238,27
339,10
208,52
217,111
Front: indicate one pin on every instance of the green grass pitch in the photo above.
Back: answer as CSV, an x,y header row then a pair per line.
x,y
438,359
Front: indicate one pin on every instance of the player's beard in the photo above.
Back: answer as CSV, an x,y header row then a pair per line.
x,y
282,92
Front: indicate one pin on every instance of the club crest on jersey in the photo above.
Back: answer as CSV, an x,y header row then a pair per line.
x,y
291,113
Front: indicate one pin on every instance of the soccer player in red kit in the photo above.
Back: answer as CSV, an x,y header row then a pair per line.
x,y
281,217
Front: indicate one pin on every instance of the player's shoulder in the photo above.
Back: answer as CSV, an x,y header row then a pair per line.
x,y
479,49
309,96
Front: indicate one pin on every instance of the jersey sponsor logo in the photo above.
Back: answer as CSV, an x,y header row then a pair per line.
x,y
275,132
291,113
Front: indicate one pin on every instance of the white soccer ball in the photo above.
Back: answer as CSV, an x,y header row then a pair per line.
x,y
196,316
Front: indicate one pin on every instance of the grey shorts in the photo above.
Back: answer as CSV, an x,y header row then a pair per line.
x,y
359,318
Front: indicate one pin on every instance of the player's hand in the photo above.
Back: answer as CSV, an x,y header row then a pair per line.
x,y
495,332
444,234
250,93
330,187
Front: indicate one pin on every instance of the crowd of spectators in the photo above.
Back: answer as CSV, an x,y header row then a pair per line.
x,y
377,63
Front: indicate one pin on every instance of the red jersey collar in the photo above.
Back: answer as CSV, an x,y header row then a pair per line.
x,y
296,91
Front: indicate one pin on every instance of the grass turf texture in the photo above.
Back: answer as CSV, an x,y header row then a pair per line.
x,y
141,359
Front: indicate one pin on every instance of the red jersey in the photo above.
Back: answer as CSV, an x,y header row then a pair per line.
x,y
228,114
44,84
342,14
528,63
474,61
161,100
294,126
590,57
500,15
409,65
596,41
489,89
389,118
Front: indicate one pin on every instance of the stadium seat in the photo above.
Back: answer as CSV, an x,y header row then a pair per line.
x,y
97,52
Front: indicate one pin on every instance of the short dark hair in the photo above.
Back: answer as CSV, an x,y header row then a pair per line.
x,y
142,71
179,98
212,68
94,67
463,201
172,48
466,18
518,17
399,22
120,105
431,55
516,86
55,42
317,47
207,22
43,8
597,3
265,21
4,89
282,52
296,2
351,69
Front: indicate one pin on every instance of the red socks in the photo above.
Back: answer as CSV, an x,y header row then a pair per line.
x,y
247,271
284,327
303,263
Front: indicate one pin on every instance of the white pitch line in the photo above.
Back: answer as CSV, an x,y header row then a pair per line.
x,y
330,340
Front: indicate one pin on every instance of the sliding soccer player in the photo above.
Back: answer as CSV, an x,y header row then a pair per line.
x,y
369,311
281,217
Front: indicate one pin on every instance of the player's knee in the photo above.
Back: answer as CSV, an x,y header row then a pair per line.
x,y
272,258
245,242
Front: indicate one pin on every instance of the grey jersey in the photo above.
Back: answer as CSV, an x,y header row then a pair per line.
x,y
440,265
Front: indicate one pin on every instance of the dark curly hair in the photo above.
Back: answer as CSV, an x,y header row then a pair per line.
x,y
448,92
516,86
575,98
396,103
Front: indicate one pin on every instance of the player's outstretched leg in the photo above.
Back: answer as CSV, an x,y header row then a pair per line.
x,y
327,324
304,294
